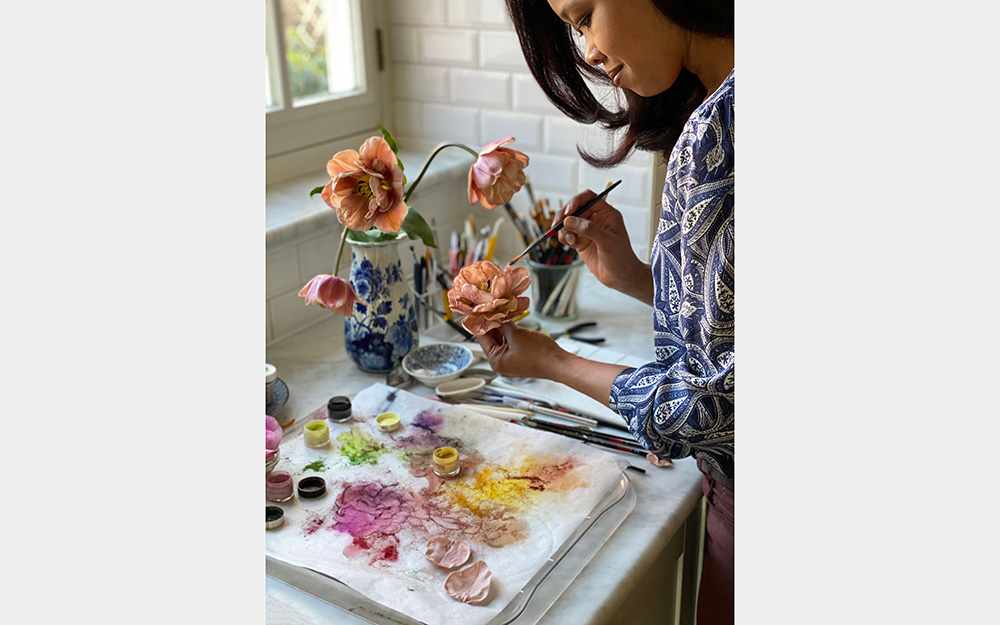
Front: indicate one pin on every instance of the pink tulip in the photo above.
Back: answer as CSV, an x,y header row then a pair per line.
x,y
332,293
272,437
366,188
488,295
497,174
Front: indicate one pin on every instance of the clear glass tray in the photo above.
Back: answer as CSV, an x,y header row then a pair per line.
x,y
528,606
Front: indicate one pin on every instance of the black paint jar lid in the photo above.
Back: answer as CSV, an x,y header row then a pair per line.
x,y
312,486
339,408
275,517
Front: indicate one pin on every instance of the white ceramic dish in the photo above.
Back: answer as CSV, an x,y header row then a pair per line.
x,y
459,387
436,363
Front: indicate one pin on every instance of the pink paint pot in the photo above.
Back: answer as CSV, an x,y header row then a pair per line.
x,y
279,486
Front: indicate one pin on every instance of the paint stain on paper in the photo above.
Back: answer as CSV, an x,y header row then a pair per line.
x,y
319,465
515,489
359,448
487,503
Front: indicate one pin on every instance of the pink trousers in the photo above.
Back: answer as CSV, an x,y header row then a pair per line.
x,y
715,594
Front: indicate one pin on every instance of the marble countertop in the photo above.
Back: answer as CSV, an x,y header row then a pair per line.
x,y
315,367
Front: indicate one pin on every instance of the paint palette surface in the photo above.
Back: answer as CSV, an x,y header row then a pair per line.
x,y
520,498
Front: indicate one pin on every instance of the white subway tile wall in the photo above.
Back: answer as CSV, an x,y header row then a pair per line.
x,y
458,75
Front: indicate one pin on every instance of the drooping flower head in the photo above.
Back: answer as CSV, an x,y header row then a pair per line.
x,y
331,292
497,174
272,437
366,187
488,295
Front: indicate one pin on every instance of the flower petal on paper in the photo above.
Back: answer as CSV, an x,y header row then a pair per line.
x,y
447,553
470,585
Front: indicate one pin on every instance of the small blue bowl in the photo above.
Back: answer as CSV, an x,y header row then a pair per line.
x,y
437,363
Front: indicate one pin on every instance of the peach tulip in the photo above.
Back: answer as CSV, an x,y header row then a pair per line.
x,y
366,187
497,174
332,293
488,295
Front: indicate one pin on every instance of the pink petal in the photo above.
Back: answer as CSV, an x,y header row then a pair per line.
x,y
447,553
378,148
496,144
342,162
470,585
272,433
392,219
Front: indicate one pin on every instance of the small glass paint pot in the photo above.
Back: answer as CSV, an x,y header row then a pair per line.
x,y
387,421
279,487
316,433
275,517
446,462
338,409
312,487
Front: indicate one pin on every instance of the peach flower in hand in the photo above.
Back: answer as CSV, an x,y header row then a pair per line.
x,y
497,174
366,188
488,295
332,293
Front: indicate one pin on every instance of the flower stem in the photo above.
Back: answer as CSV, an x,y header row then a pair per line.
x,y
340,251
430,158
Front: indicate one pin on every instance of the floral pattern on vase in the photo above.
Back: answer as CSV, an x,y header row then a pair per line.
x,y
379,334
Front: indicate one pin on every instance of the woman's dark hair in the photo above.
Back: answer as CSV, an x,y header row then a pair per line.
x,y
652,124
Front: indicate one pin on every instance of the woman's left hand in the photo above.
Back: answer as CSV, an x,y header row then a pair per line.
x,y
517,352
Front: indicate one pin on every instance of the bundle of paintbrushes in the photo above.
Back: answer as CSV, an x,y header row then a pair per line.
x,y
535,224
472,245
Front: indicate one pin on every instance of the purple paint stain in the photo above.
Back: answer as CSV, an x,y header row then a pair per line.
x,y
429,421
373,508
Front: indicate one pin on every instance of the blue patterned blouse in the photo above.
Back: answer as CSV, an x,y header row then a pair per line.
x,y
683,404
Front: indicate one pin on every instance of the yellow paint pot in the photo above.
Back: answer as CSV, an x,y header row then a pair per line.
x,y
316,433
446,462
387,421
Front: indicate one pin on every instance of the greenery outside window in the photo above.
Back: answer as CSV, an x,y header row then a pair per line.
x,y
322,80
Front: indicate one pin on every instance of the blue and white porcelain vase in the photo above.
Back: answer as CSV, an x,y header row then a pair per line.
x,y
379,334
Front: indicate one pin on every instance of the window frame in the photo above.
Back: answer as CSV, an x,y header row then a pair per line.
x,y
294,135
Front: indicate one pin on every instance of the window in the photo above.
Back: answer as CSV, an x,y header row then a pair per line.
x,y
322,80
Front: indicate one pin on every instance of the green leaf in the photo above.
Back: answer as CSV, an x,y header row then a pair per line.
x,y
389,139
370,236
416,228
395,150
315,191
356,235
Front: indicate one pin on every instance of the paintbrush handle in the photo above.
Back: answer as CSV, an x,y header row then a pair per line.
x,y
584,437
559,226
594,200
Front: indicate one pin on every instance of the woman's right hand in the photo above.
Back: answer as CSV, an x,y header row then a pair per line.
x,y
600,238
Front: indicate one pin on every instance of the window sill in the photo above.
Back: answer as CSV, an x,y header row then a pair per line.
x,y
291,214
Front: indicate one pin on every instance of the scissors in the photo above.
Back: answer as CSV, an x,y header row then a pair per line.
x,y
572,330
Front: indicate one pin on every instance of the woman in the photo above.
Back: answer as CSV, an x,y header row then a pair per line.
x,y
672,60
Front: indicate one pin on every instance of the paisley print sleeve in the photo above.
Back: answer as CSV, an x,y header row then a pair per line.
x,y
683,404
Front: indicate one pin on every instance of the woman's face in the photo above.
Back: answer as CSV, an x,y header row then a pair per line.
x,y
638,46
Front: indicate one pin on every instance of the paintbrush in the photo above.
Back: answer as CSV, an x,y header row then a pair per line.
x,y
582,437
630,442
559,226
467,336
